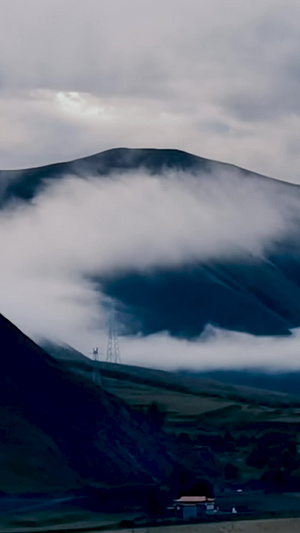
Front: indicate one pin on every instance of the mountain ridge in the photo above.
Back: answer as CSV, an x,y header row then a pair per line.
x,y
26,182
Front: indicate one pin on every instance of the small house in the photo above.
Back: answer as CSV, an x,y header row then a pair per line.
x,y
193,507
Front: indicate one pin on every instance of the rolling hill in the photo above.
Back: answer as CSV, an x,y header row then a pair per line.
x,y
203,393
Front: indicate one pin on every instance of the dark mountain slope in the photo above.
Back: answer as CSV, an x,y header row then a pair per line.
x,y
65,352
258,298
59,430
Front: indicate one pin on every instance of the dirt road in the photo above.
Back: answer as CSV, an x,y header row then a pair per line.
x,y
289,525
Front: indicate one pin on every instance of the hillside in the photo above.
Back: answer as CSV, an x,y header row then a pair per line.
x,y
187,398
60,431
285,382
215,384
226,433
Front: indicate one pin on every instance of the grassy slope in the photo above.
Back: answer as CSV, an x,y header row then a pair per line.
x,y
57,427
200,403
187,399
217,424
29,458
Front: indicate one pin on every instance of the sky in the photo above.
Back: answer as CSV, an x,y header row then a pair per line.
x,y
216,78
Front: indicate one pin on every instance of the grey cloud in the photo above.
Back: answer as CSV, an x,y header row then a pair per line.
x,y
169,71
266,55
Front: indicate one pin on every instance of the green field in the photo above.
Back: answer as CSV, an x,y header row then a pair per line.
x,y
191,403
222,430
178,405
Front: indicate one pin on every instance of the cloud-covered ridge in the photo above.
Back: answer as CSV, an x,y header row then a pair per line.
x,y
79,228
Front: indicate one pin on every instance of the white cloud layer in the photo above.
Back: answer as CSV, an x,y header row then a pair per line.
x,y
219,350
81,227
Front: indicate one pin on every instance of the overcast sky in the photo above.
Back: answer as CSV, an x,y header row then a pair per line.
x,y
219,78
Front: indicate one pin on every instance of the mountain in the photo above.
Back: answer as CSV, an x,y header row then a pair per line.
x,y
258,295
24,184
59,431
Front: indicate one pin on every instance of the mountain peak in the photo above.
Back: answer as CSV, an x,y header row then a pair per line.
x,y
25,184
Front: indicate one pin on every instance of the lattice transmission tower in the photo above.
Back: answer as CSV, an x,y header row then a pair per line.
x,y
113,349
